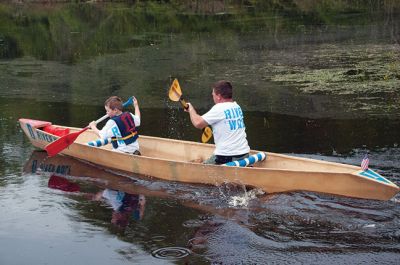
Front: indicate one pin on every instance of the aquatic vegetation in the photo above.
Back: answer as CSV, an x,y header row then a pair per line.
x,y
369,72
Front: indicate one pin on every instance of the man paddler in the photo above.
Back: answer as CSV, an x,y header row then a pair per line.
x,y
226,120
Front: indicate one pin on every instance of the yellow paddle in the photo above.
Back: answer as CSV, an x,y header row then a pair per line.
x,y
206,135
175,94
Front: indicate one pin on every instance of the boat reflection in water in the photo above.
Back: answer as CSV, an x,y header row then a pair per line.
x,y
66,172
183,220
126,195
124,205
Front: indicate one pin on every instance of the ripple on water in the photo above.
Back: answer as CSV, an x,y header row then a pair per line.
x,y
193,223
158,238
171,253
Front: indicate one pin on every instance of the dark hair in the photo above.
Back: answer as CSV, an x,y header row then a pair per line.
x,y
223,88
113,103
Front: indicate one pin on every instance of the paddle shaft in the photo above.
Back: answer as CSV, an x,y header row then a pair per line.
x,y
101,119
182,100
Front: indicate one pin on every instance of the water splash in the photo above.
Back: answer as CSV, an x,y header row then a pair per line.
x,y
244,199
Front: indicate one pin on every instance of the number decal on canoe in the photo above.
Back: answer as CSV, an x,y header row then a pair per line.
x,y
30,131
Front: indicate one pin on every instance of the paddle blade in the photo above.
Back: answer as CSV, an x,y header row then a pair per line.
x,y
175,91
207,134
57,146
175,94
128,102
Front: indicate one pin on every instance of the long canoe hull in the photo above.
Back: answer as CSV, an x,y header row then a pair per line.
x,y
177,160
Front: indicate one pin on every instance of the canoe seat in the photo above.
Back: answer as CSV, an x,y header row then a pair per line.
x,y
54,130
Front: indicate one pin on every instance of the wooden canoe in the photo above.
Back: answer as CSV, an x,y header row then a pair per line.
x,y
177,160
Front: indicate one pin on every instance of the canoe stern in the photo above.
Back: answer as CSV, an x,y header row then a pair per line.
x,y
37,137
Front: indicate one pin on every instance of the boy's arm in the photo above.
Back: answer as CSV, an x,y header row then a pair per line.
x,y
93,126
136,105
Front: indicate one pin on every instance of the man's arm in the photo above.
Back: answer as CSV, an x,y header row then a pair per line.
x,y
195,118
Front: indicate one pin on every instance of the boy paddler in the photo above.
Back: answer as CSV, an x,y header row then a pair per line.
x,y
121,127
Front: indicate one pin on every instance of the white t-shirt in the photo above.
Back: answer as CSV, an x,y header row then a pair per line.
x,y
228,127
111,130
114,198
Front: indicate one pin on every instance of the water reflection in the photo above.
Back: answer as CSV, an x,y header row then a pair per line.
x,y
196,222
126,197
60,183
199,240
125,206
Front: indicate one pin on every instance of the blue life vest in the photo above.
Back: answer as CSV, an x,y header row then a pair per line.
x,y
126,126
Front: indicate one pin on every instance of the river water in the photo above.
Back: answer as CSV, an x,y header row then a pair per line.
x,y
318,80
